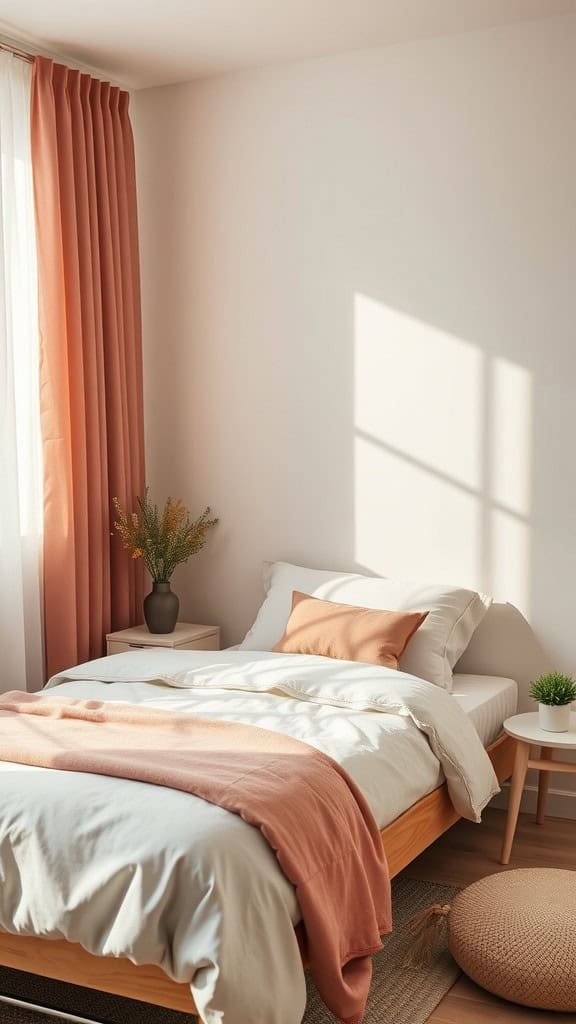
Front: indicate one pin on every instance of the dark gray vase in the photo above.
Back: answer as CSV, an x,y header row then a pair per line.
x,y
161,609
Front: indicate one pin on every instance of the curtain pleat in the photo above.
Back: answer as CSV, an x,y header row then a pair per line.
x,y
91,355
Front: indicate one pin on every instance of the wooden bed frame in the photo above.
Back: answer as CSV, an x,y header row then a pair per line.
x,y
404,839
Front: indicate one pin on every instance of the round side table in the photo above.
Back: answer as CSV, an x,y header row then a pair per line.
x,y
526,731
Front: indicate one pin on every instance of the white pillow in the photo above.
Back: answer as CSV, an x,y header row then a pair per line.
x,y
453,613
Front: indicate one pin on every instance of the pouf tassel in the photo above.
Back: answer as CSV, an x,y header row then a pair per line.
x,y
426,929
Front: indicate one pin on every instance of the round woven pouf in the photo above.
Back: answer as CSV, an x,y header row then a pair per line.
x,y
514,934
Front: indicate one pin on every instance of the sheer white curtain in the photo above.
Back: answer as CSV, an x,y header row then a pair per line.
x,y
20,446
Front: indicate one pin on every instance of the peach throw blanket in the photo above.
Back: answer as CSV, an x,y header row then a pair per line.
x,y
306,806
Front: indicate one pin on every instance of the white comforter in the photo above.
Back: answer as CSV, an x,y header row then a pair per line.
x,y
159,876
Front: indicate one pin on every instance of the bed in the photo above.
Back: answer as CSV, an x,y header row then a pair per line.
x,y
412,810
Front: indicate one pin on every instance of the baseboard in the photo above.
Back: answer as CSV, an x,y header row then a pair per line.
x,y
561,803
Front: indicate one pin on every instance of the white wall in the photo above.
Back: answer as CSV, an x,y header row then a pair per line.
x,y
360,320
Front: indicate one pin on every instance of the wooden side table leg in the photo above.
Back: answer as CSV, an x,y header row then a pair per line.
x,y
516,789
546,754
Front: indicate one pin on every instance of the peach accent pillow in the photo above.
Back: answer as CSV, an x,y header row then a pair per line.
x,y
346,632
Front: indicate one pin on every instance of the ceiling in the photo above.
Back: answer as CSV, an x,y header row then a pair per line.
x,y
143,43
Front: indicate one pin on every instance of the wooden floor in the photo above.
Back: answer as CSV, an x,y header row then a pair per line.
x,y
468,852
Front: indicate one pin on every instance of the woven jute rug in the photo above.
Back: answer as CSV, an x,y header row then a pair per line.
x,y
399,995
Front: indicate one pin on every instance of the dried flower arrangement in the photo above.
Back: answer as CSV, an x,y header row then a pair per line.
x,y
163,539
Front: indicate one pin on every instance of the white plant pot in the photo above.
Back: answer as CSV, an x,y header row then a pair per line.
x,y
552,718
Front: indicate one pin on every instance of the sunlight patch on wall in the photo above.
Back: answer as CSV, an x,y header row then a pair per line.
x,y
511,404
418,389
405,519
418,455
442,456
510,559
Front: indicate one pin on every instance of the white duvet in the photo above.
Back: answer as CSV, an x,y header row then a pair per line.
x,y
130,869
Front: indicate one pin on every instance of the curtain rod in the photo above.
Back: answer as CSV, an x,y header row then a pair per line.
x,y
8,46
21,54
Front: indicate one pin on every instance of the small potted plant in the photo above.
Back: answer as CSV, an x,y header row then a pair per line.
x,y
163,540
555,693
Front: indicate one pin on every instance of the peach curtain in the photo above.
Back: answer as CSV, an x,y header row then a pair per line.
x,y
90,354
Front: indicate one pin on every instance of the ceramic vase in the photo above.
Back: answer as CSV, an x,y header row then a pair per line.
x,y
161,609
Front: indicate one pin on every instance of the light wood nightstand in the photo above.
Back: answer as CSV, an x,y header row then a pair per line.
x,y
186,637
527,733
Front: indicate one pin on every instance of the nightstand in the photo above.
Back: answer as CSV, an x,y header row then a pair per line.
x,y
186,637
527,732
